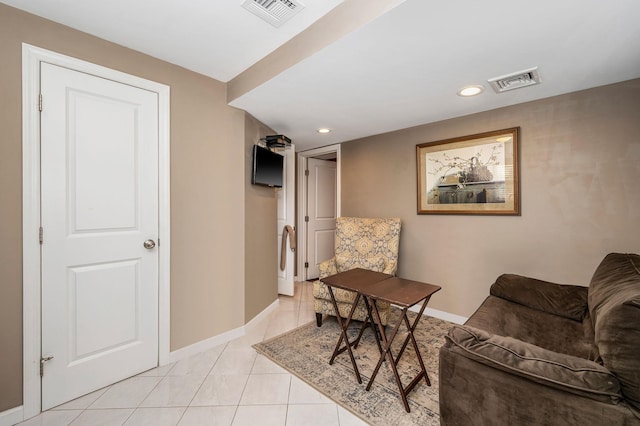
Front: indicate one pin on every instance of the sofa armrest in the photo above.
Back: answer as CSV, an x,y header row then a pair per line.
x,y
327,268
569,301
565,372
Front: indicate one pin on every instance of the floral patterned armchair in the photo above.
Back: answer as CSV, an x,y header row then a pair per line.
x,y
368,243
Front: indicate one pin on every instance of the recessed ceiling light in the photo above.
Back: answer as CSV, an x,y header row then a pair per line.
x,y
470,91
324,130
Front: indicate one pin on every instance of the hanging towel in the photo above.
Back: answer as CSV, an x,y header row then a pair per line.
x,y
292,243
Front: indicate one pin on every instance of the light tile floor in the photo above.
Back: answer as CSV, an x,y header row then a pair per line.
x,y
228,385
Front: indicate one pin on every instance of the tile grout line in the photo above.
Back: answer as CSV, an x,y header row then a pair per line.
x,y
226,345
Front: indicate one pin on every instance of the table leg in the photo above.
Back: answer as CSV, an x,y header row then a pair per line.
x,y
343,334
387,342
410,336
423,370
387,353
372,321
363,327
369,321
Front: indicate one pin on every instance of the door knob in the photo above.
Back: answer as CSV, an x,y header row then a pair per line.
x,y
149,244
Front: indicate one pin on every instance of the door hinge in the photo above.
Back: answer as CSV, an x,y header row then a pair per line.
x,y
41,235
40,102
306,218
306,172
43,360
306,264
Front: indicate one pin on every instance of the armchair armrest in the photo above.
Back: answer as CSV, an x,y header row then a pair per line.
x,y
327,268
569,301
565,372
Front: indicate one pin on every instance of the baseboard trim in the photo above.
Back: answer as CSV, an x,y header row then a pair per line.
x,y
456,319
262,315
12,416
212,342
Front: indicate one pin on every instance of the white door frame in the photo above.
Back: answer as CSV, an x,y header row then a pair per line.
x,y
31,58
302,199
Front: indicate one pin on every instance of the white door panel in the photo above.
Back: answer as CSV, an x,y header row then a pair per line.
x,y
99,169
324,245
93,292
321,208
286,212
325,206
103,191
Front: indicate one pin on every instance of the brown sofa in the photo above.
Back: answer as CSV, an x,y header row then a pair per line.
x,y
539,353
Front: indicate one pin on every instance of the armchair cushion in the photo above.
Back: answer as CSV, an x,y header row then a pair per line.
x,y
347,263
572,374
327,268
320,290
568,301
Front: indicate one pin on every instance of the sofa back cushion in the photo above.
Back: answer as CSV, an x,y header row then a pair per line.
x,y
614,306
567,301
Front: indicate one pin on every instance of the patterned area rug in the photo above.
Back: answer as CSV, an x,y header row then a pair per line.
x,y
306,350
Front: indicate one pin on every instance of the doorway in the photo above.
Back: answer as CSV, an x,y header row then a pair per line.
x,y
318,206
86,222
286,218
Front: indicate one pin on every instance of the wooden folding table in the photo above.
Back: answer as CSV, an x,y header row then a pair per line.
x,y
404,294
353,280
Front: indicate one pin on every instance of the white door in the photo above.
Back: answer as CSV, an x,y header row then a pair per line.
x,y
99,168
286,212
321,211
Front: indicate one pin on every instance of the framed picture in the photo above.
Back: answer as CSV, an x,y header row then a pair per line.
x,y
475,174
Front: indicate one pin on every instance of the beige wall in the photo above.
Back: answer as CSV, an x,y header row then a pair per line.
x,y
261,256
580,167
207,190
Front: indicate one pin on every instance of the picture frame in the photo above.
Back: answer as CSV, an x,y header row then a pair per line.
x,y
475,174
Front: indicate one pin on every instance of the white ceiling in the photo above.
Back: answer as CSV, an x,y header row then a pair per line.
x,y
400,70
217,38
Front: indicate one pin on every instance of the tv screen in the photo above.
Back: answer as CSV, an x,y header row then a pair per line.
x,y
267,167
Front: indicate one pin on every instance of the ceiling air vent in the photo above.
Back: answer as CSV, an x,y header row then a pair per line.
x,y
275,12
516,80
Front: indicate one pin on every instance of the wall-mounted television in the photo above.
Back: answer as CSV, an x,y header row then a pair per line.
x,y
267,167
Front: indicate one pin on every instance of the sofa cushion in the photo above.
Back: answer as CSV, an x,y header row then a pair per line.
x,y
569,373
614,306
568,301
549,331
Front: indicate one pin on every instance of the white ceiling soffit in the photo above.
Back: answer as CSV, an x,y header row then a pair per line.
x,y
404,68
217,38
275,12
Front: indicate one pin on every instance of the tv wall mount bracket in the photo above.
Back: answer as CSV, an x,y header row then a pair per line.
x,y
276,141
